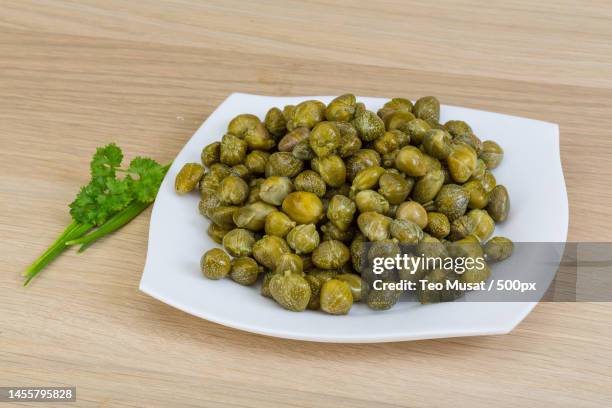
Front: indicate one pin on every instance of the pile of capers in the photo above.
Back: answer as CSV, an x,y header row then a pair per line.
x,y
295,199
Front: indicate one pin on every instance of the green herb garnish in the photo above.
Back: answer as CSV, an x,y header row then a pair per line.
x,y
105,204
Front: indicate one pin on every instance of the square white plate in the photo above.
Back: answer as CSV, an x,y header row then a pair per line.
x,y
531,171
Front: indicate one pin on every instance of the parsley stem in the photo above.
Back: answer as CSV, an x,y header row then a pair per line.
x,y
74,230
114,223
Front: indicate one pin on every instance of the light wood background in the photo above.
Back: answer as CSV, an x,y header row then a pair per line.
x,y
77,74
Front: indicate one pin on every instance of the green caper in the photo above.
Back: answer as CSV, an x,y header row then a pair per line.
x,y
499,204
274,189
289,262
498,248
357,248
278,223
233,190
288,113
395,105
354,282
265,284
394,187
488,181
431,247
373,225
350,142
268,250
475,274
315,289
452,201
370,200
437,143
428,109
188,178
331,232
210,154
215,264
416,129
387,143
468,247
209,199
223,215
362,159
245,271
429,294
331,168
303,207
457,128
340,211
406,232
324,139
382,299
303,239
410,160
220,171
428,186
256,161
369,126
412,211
241,124
303,151
283,164
290,290
239,242
291,139
306,114
275,122
232,150
471,140
479,198
253,216
438,225
367,178
479,170
336,297
216,233
492,154
242,171
461,162
310,181
342,108
210,181
398,120
330,255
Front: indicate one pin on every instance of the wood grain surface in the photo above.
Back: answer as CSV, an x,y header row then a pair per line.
x,y
77,74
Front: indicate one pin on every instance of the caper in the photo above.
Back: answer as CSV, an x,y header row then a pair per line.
x,y
290,290
406,232
336,297
350,142
416,129
452,201
492,154
457,128
362,159
330,255
278,223
373,225
367,178
340,211
303,207
233,190
223,215
303,239
324,139
283,164
239,242
382,299
268,250
210,154
188,177
253,216
256,161
245,271
387,143
428,109
395,105
438,225
303,151
394,187
354,282
499,204
310,181
331,232
275,122
412,211
342,108
274,189
461,162
370,200
215,264
479,198
437,143
369,126
306,114
289,262
209,199
410,160
216,233
331,168
498,248
488,181
291,139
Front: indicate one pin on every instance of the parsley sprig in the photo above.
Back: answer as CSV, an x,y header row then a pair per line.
x,y
106,203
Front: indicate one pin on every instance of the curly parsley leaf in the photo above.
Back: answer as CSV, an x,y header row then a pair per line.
x,y
150,175
105,161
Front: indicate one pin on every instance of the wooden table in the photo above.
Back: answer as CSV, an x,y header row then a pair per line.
x,y
77,74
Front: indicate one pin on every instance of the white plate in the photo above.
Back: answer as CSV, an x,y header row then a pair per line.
x,y
531,170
